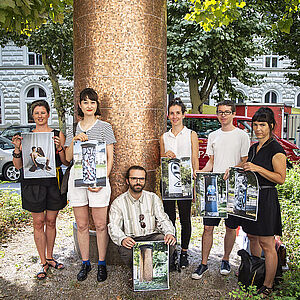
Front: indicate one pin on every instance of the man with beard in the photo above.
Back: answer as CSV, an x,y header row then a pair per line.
x,y
138,215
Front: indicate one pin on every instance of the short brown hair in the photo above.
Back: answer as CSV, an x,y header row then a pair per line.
x,y
43,103
227,103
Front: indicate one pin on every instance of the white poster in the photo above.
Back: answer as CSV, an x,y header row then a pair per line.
x,y
38,154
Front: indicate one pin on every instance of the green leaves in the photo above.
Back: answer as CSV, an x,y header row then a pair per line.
x,y
23,16
212,14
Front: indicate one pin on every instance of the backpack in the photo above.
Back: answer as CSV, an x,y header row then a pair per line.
x,y
252,269
65,180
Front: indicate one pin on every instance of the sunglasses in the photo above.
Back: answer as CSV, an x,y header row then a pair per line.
x,y
141,218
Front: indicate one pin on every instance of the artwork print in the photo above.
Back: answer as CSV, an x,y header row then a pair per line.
x,y
89,164
243,193
150,266
211,195
176,178
38,154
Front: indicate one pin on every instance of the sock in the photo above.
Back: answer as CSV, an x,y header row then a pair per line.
x,y
86,262
101,262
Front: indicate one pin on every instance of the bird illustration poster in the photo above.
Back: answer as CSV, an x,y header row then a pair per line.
x,y
176,178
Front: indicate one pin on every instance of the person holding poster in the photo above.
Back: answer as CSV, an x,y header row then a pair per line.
x,y
227,147
268,160
41,196
179,142
90,128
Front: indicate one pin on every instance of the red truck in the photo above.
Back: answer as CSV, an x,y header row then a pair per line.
x,y
204,124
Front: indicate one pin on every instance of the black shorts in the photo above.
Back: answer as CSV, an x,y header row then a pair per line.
x,y
38,198
231,222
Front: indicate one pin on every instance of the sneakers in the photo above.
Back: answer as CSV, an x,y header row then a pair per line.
x,y
183,262
200,271
225,267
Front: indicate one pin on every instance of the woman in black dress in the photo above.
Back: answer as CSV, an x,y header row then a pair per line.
x,y
268,160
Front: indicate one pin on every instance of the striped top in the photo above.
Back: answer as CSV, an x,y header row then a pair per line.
x,y
101,131
124,216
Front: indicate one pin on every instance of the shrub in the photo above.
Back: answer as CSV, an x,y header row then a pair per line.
x,y
11,213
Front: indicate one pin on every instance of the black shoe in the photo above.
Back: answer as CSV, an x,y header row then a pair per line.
x,y
200,271
82,275
102,273
183,263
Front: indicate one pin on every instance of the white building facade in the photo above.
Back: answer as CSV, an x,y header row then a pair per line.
x,y
273,88
21,83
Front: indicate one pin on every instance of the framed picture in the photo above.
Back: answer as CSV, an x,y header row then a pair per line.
x,y
176,178
38,154
150,266
211,195
90,164
243,193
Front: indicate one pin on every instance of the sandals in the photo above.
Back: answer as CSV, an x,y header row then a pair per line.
x,y
265,291
43,272
58,266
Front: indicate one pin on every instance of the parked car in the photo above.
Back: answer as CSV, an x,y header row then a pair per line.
x,y
10,131
204,124
7,169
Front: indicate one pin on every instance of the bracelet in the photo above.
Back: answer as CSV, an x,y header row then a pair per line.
x,y
17,155
60,149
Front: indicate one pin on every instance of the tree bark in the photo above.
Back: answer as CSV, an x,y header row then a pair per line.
x,y
195,96
57,94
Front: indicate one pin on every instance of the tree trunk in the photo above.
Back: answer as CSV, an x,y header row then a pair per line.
x,y
194,94
57,94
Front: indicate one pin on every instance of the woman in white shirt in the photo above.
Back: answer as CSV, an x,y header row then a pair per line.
x,y
179,142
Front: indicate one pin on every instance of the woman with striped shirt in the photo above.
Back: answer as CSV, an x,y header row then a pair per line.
x,y
90,128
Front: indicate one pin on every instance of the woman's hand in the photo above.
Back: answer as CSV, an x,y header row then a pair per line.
x,y
57,142
81,137
170,154
248,166
17,141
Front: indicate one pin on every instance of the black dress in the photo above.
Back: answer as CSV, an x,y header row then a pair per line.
x,y
268,218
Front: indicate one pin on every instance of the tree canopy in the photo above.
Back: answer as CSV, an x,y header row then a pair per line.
x,y
54,41
210,59
25,15
216,13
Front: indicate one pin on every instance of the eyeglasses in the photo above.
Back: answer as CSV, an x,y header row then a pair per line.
x,y
224,113
141,218
136,179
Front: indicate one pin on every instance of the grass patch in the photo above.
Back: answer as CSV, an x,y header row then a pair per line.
x,y
12,216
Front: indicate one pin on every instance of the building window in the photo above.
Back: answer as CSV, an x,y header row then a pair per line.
x,y
241,97
298,100
33,93
271,61
34,59
271,97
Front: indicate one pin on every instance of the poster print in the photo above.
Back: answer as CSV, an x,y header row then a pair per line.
x,y
176,178
38,154
89,164
211,195
150,266
243,192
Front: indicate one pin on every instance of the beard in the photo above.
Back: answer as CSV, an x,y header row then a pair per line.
x,y
137,188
